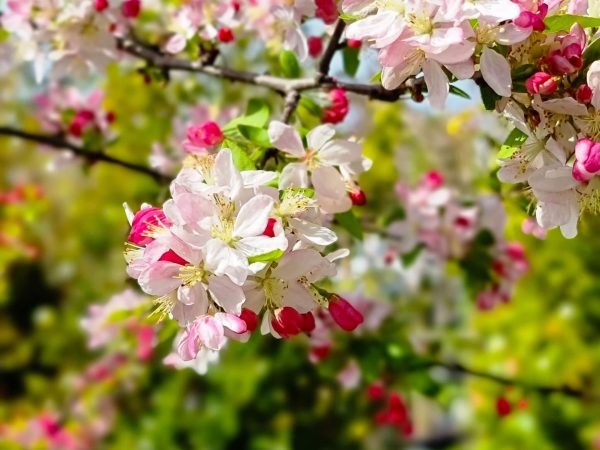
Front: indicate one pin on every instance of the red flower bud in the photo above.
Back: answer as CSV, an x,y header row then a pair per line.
x,y
250,318
131,8
287,322
326,11
101,5
376,391
225,35
308,322
584,94
173,257
503,407
358,197
315,46
541,83
343,313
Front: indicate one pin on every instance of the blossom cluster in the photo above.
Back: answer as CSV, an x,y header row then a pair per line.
x,y
81,119
435,219
231,245
532,65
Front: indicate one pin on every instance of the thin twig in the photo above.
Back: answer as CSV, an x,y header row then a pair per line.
x,y
291,103
461,369
59,143
325,62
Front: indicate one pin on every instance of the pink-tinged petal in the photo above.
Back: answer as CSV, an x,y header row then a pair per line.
x,y
234,323
442,38
330,190
187,347
383,28
593,81
285,138
339,151
224,260
210,332
498,10
437,83
160,278
186,314
295,41
302,263
294,175
510,34
226,294
318,136
176,43
495,70
253,216
295,295
462,71
191,295
566,105
552,179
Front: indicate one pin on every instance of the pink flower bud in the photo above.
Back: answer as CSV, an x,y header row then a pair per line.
x,y
587,159
534,20
250,318
173,257
354,43
315,46
143,223
338,109
205,135
225,35
432,180
541,83
80,122
584,94
358,197
287,322
327,11
131,8
101,5
343,313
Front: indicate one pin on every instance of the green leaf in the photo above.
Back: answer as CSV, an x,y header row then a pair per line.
x,y
257,115
241,159
591,53
564,22
351,61
349,17
348,221
258,136
408,259
523,72
458,91
289,64
398,213
309,112
266,257
513,142
489,97
376,78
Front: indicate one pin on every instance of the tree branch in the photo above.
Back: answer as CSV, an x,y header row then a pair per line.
x,y
325,62
59,143
461,369
291,103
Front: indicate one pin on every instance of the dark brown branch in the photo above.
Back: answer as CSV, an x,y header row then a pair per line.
x,y
59,143
325,62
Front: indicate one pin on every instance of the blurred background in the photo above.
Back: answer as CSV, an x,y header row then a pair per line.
x,y
435,366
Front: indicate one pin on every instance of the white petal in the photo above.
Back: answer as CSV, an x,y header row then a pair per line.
x,y
224,260
253,216
312,232
318,136
339,152
437,83
285,138
330,190
226,294
294,175
495,70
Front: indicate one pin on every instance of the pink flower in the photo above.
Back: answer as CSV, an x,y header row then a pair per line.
x,y
200,137
541,83
210,332
344,314
145,224
587,160
315,46
533,19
